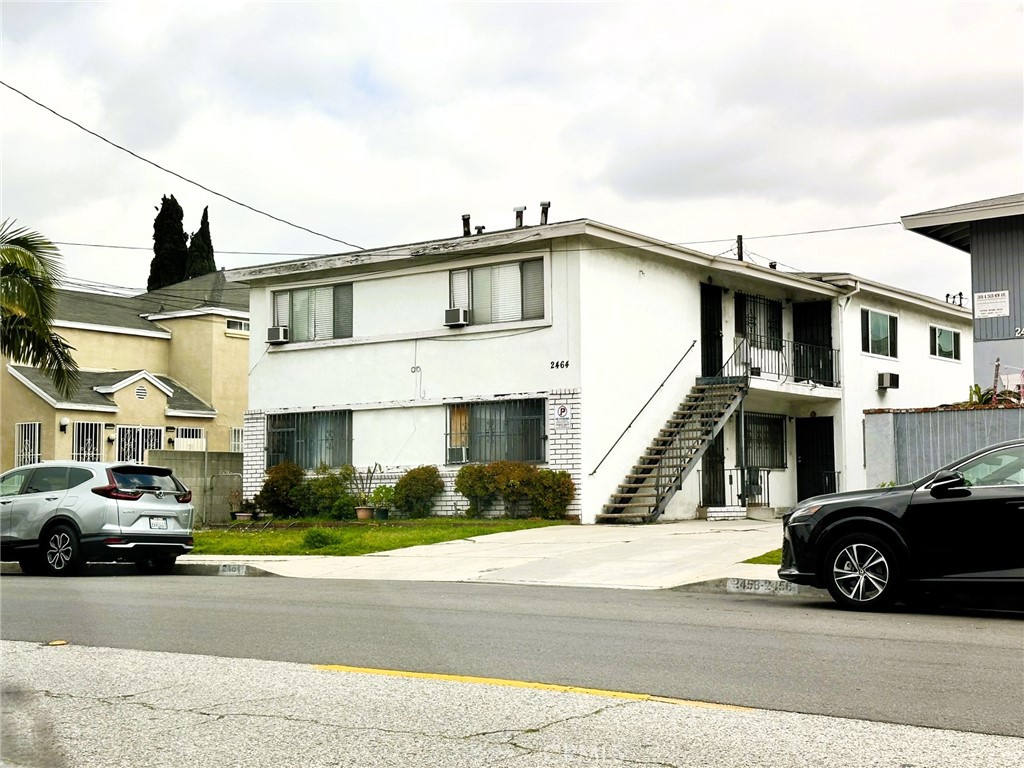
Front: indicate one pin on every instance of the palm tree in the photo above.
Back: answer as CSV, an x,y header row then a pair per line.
x,y
29,272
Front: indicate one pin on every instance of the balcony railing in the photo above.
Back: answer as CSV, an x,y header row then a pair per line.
x,y
792,360
726,487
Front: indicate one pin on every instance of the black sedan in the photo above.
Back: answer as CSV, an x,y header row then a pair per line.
x,y
960,526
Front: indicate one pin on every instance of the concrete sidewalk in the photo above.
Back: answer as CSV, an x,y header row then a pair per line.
x,y
694,554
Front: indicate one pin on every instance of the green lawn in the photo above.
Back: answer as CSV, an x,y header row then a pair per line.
x,y
350,538
768,558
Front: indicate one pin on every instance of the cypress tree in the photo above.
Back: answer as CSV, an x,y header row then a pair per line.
x,y
200,260
170,250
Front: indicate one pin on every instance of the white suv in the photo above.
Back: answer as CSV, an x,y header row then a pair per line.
x,y
57,515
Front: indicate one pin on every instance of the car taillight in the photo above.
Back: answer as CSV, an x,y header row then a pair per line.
x,y
113,492
185,497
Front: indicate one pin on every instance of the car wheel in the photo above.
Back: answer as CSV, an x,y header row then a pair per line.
x,y
862,573
31,565
156,566
61,555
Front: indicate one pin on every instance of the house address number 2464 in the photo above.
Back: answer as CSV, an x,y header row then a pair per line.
x,y
559,363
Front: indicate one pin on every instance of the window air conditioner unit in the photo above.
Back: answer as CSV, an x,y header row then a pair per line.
x,y
888,381
458,454
456,317
277,334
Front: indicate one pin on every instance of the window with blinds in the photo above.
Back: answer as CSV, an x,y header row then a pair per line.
x,y
313,314
500,293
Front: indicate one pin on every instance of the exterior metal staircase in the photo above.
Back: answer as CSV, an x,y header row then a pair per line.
x,y
675,452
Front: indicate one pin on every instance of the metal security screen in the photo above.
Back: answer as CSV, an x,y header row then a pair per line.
x,y
511,430
765,440
310,439
87,440
759,320
26,442
133,442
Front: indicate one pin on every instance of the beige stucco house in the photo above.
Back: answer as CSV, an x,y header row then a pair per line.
x,y
162,370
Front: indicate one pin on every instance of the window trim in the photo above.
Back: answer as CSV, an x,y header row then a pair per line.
x,y
933,343
892,338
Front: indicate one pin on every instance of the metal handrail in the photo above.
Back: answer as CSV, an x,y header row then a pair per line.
x,y
672,463
631,423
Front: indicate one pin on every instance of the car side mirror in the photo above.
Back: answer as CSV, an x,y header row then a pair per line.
x,y
946,482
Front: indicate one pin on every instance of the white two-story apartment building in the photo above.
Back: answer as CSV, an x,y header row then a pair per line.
x,y
664,380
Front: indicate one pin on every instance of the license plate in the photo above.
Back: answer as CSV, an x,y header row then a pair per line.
x,y
158,523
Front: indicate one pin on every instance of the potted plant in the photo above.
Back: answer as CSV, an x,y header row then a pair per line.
x,y
362,483
382,499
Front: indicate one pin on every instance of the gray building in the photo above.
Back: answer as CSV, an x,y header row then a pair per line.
x,y
992,232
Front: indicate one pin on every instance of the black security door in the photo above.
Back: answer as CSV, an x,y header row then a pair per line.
x,y
812,343
815,457
710,329
712,473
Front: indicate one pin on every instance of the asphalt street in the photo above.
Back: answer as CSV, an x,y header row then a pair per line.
x,y
949,670
70,706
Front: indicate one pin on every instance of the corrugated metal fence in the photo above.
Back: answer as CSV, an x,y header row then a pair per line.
x,y
922,441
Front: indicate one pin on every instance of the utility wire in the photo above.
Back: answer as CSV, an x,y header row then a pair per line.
x,y
505,245
173,173
792,235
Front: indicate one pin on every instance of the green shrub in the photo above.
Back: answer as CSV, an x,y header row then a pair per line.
x,y
551,493
476,483
383,497
416,489
512,481
326,494
276,495
318,538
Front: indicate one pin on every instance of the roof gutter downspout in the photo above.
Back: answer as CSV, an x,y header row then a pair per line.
x,y
844,303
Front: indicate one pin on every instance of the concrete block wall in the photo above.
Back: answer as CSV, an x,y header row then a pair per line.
x,y
211,476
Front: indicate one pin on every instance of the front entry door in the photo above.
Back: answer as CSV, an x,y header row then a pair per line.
x,y
813,358
712,473
815,457
710,330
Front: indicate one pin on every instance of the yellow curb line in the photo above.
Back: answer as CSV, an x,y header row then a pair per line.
x,y
534,686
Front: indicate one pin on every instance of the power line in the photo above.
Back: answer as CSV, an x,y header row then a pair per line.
x,y
682,244
218,250
173,173
792,235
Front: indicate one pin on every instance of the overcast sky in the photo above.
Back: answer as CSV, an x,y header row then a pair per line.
x,y
382,123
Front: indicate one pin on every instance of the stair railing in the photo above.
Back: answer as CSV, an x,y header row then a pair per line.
x,y
676,456
644,407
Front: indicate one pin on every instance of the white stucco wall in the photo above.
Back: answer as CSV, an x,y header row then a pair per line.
x,y
925,381
639,315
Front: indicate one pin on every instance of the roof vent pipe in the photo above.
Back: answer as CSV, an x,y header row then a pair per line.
x,y
519,215
480,230
465,225
544,212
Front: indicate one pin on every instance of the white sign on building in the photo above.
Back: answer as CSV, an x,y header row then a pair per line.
x,y
992,304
